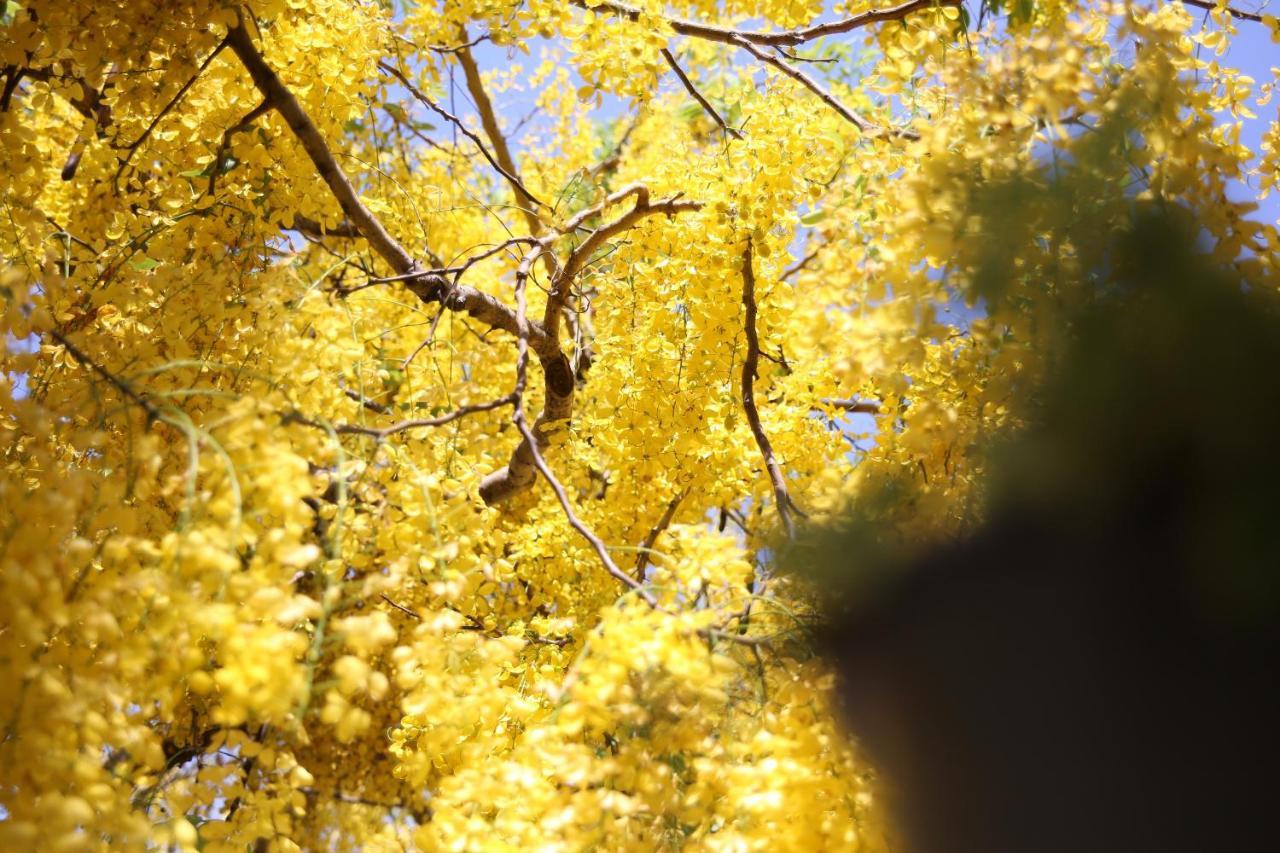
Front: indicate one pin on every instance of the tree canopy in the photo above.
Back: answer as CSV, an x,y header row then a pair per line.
x,y
403,402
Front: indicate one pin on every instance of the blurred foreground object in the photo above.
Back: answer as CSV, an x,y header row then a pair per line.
x,y
1088,669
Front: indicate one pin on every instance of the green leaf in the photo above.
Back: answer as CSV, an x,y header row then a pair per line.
x,y
144,264
813,217
689,112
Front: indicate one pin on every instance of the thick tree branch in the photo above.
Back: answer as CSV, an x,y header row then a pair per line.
x,y
280,97
532,441
89,104
426,286
475,303
521,471
558,377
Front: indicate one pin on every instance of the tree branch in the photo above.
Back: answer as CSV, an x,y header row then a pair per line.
x,y
848,114
697,96
506,169
532,441
311,227
1235,13
153,413
782,38
750,368
426,286
558,378
215,168
642,559
520,472
857,407
282,99
579,257
133,147
418,423
489,120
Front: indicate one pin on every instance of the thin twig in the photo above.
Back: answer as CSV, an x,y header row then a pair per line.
x,y
400,607
847,113
466,131
309,226
795,57
441,48
381,433
215,168
133,147
611,160
642,559
697,96
789,38
799,265
371,405
1235,13
857,407
153,413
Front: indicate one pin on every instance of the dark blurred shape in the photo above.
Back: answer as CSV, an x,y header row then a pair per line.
x,y
1089,669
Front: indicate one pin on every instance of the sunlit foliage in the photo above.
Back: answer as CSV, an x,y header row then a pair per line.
x,y
293,555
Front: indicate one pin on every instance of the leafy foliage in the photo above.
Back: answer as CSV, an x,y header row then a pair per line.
x,y
358,471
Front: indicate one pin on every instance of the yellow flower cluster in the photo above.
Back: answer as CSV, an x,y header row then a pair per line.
x,y
256,591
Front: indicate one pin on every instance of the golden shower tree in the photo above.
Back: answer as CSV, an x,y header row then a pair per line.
x,y
384,467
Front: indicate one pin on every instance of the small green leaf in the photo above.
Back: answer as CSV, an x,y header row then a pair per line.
x,y
144,264
813,217
689,112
